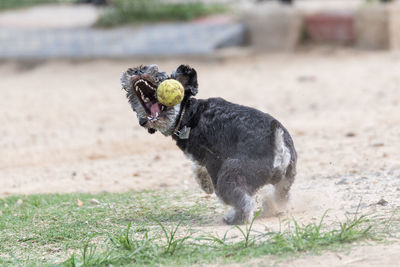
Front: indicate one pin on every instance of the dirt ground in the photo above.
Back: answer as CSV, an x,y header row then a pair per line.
x,y
67,127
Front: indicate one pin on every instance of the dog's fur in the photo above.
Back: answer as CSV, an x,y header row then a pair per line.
x,y
235,149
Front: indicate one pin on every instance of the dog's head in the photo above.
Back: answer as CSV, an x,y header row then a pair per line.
x,y
141,84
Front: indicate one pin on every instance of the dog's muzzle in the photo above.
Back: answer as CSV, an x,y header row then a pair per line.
x,y
142,122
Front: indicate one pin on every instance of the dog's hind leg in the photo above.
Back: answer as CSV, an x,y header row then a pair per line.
x,y
281,192
284,171
203,178
232,189
242,211
284,166
276,204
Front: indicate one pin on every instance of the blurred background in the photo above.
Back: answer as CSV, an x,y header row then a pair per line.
x,y
329,70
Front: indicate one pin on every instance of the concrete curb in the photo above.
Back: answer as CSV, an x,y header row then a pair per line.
x,y
153,40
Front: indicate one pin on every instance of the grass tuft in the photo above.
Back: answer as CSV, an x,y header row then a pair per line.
x,y
247,231
173,242
188,249
132,11
43,230
14,4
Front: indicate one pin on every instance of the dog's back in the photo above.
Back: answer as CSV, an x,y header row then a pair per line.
x,y
222,130
242,149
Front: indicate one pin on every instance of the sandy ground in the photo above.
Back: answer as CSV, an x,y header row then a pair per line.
x,y
67,127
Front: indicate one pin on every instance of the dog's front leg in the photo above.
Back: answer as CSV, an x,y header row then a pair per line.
x,y
233,189
203,178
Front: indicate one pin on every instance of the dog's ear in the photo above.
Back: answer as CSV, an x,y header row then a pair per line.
x,y
187,76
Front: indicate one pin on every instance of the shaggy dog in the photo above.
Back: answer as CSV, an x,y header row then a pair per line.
x,y
235,149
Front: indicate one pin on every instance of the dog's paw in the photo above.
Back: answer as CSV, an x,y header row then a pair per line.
x,y
205,183
234,217
272,207
231,218
208,188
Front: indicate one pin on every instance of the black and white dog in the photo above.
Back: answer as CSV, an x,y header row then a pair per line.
x,y
236,149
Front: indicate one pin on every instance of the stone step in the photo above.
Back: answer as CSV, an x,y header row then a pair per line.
x,y
195,38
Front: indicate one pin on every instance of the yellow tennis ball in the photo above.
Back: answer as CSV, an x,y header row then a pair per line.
x,y
170,92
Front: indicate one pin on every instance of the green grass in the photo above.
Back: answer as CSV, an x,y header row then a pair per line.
x,y
14,4
51,225
152,228
133,11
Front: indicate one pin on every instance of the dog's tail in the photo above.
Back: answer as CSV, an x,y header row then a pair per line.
x,y
281,151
